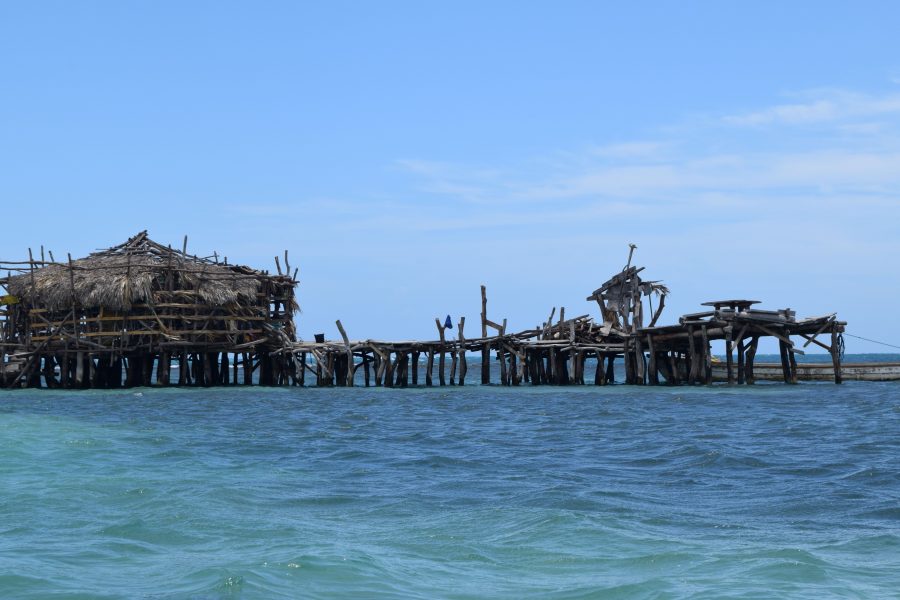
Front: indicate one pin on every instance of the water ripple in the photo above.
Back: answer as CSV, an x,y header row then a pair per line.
x,y
584,492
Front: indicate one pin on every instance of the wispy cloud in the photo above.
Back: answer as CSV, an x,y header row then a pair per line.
x,y
823,106
845,153
840,175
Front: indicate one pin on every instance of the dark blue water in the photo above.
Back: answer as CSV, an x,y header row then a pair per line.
x,y
580,492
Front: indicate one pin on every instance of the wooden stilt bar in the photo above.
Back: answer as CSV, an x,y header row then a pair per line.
x,y
836,354
653,369
348,355
600,372
792,359
379,367
694,355
729,359
454,359
751,357
785,364
388,370
486,347
442,352
463,367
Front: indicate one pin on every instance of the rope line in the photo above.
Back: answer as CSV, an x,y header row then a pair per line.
x,y
873,341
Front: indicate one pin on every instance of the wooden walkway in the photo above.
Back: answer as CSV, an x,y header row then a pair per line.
x,y
557,353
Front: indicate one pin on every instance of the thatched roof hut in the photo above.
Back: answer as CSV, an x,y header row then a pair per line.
x,y
137,305
130,273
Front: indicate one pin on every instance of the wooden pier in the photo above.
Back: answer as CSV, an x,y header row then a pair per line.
x,y
137,313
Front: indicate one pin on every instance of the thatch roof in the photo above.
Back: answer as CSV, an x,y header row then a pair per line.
x,y
128,274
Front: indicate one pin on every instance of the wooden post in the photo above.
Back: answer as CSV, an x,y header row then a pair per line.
x,y
528,366
541,359
653,368
695,358
707,356
454,359
729,359
379,367
553,371
640,371
563,366
224,370
209,366
442,355
599,374
629,362
486,347
147,374
388,370
576,360
429,380
740,361
836,354
402,369
365,362
751,356
347,351
785,364
610,368
792,359
463,367
415,367
247,361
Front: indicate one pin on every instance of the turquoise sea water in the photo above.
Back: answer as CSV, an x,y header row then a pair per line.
x,y
579,492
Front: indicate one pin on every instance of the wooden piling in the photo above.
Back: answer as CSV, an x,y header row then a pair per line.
x,y
652,367
463,367
785,364
729,359
751,357
836,354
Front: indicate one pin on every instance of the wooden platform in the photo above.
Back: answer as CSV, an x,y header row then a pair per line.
x,y
167,318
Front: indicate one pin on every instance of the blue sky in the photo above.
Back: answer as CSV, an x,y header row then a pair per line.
x,y
405,153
